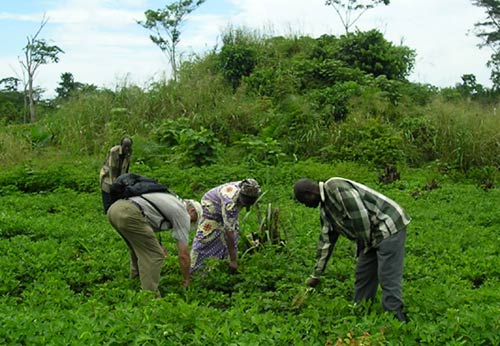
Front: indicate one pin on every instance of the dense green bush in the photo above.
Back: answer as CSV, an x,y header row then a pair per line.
x,y
238,56
12,108
265,151
192,147
169,131
197,147
420,136
372,53
332,102
370,140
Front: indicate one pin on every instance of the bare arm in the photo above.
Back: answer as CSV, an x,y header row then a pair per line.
x,y
114,165
231,247
184,261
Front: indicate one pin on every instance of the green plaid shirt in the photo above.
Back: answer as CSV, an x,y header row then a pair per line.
x,y
358,213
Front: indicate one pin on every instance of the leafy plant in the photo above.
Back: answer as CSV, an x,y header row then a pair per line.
x,y
39,136
485,177
271,229
265,151
169,131
369,140
332,102
197,147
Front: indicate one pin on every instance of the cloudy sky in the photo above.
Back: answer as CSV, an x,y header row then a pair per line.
x,y
105,46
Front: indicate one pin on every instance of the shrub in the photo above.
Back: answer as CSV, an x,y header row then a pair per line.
x,y
168,132
39,136
372,53
420,136
370,141
238,56
316,73
197,147
300,127
332,102
265,151
272,81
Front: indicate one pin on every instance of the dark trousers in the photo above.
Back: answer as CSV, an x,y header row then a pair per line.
x,y
106,201
382,265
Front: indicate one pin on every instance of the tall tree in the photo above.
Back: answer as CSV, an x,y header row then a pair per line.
x,y
166,27
37,52
349,11
489,32
67,85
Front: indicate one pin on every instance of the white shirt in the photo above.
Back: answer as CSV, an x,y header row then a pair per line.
x,y
172,207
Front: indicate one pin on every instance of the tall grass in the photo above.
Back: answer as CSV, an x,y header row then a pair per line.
x,y
89,123
13,145
467,133
460,134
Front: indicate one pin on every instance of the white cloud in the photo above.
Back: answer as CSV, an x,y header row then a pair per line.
x,y
441,37
21,17
285,17
103,45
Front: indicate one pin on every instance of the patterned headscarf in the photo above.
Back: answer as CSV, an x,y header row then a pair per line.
x,y
250,188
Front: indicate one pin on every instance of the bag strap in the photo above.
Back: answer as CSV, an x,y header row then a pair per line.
x,y
165,219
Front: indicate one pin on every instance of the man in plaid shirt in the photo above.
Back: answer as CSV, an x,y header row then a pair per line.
x,y
378,226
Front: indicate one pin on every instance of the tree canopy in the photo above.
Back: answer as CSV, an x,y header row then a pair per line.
x,y
166,27
489,31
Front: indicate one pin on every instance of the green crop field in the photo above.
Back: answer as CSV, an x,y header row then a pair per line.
x,y
273,108
65,270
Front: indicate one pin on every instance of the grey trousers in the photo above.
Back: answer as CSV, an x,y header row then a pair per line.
x,y
146,254
382,265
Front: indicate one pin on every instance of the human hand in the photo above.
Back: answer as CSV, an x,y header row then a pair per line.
x,y
185,283
313,282
164,249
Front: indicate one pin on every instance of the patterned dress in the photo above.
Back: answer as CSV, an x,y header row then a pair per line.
x,y
220,215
